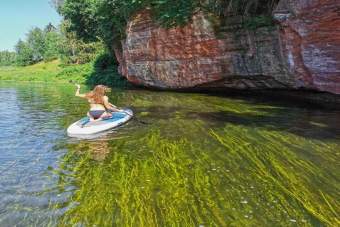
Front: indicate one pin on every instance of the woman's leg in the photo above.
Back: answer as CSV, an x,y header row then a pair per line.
x,y
91,118
104,115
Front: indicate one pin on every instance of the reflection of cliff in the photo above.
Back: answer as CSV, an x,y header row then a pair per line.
x,y
303,52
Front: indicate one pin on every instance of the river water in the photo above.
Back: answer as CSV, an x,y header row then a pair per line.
x,y
208,160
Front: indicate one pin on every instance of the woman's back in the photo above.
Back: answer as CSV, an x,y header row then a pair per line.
x,y
95,105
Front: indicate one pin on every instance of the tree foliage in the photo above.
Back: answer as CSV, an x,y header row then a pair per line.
x,y
247,8
49,28
74,50
36,40
7,58
52,45
105,70
24,53
107,19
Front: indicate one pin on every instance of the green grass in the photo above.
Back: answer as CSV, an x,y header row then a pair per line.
x,y
51,72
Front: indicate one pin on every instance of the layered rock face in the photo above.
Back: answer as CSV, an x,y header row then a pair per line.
x,y
311,41
175,58
268,57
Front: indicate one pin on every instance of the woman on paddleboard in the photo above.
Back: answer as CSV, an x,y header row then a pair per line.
x,y
99,103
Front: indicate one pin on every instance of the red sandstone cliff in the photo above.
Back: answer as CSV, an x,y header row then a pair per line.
x,y
302,52
311,41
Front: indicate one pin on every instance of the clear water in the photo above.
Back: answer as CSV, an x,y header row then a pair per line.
x,y
208,160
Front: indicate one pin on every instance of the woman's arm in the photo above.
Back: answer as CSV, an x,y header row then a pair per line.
x,y
77,92
107,105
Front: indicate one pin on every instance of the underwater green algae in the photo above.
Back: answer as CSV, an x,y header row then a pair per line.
x,y
187,171
207,161
282,161
252,177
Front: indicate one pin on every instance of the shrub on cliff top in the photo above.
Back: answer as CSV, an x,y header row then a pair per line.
x,y
107,19
244,7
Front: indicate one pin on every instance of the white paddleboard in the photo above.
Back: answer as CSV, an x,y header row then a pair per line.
x,y
99,126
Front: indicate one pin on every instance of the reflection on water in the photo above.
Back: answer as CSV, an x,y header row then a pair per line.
x,y
208,161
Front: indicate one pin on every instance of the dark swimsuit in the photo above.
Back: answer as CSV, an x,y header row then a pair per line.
x,y
96,113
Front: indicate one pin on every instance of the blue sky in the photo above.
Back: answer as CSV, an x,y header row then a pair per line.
x,y
18,16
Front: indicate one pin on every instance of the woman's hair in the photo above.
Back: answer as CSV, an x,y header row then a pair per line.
x,y
97,94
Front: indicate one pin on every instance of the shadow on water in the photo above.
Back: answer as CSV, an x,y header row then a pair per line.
x,y
313,126
303,118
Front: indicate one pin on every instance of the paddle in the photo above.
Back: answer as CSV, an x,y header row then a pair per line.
x,y
141,122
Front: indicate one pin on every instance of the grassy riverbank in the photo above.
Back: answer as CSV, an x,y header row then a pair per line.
x,y
51,72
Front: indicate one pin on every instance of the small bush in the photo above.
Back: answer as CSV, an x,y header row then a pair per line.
x,y
257,21
105,61
106,71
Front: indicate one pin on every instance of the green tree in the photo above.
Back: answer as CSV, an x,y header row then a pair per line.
x,y
98,20
107,19
74,50
49,28
52,45
7,58
24,53
36,40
